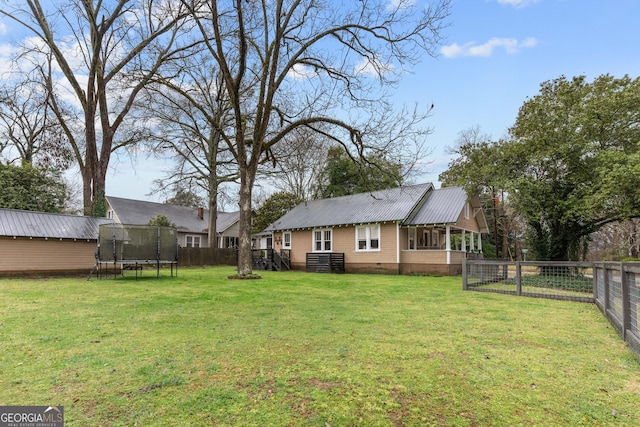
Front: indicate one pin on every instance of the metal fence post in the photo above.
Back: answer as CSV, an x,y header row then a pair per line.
x,y
626,302
605,288
594,273
465,284
518,278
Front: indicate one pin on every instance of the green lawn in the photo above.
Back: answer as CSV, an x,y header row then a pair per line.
x,y
301,349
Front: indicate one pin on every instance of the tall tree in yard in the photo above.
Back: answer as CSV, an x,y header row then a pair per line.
x,y
571,166
273,208
301,158
291,64
343,175
28,127
192,115
28,188
106,52
570,140
477,169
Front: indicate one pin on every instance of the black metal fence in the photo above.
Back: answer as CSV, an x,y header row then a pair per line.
x,y
613,287
557,280
617,292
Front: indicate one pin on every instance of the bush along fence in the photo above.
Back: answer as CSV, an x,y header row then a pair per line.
x,y
611,286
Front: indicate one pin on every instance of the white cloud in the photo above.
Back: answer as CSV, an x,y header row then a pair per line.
x,y
400,4
518,3
3,28
373,67
510,45
301,72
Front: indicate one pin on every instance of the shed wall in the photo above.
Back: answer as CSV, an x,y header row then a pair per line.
x,y
25,256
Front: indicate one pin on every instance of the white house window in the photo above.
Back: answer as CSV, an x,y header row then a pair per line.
x,y
286,240
231,242
434,238
368,238
322,240
412,238
466,211
426,235
193,241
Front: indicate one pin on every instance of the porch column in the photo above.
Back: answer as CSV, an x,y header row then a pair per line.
x,y
471,242
480,242
448,244
463,245
398,244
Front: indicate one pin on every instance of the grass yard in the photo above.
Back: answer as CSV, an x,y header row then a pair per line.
x,y
301,349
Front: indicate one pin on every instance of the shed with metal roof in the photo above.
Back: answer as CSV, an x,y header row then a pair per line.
x,y
42,243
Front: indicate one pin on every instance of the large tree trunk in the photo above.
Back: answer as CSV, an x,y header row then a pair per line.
x,y
99,201
87,202
246,187
213,213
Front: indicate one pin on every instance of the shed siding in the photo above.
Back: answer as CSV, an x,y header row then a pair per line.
x,y
23,255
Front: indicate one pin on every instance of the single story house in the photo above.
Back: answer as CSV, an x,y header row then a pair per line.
x,y
46,243
405,230
192,224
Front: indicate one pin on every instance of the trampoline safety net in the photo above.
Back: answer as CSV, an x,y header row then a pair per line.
x,y
137,244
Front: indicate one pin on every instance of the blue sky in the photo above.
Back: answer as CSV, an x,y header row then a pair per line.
x,y
496,55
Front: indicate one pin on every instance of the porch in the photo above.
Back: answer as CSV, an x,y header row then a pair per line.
x,y
437,249
445,238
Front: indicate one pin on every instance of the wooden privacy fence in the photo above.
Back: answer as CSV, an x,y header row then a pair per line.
x,y
193,257
613,287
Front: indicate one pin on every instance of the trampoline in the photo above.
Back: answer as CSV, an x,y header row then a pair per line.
x,y
124,247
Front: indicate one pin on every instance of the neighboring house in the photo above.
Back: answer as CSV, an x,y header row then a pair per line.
x,y
262,240
192,224
45,243
406,230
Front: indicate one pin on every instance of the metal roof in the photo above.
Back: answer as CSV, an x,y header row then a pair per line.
x,y
443,206
19,223
186,219
380,206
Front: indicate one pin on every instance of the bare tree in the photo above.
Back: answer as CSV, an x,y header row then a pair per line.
x,y
291,64
616,241
28,125
106,52
300,160
192,115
